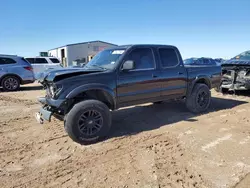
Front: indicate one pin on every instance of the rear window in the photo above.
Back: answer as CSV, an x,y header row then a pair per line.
x,y
4,61
31,60
54,60
168,57
25,60
40,61
37,60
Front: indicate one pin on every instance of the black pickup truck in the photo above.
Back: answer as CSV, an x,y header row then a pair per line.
x,y
118,77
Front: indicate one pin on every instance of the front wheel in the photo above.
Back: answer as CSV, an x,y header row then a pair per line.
x,y
199,100
88,122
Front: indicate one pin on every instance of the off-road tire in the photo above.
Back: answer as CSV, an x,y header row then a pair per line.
x,y
71,122
15,79
192,99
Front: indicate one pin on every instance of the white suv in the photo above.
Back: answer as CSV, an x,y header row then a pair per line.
x,y
41,64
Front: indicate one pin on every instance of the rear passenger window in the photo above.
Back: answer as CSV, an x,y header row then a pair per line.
x,y
168,57
4,61
40,61
143,58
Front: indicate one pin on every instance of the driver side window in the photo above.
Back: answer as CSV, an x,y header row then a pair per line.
x,y
143,58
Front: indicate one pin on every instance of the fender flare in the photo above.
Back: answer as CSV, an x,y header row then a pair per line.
x,y
81,89
200,79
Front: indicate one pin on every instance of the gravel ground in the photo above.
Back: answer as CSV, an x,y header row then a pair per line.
x,y
150,146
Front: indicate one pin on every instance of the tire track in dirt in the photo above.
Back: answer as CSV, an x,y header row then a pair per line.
x,y
75,165
169,169
44,156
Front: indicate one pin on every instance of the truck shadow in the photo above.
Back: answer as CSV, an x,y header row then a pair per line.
x,y
137,119
31,88
239,93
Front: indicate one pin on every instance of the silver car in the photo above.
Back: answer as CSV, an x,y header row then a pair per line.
x,y
15,71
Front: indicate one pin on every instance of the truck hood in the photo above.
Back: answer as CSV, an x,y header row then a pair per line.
x,y
235,62
59,74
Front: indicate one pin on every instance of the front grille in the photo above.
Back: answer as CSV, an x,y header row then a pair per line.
x,y
226,82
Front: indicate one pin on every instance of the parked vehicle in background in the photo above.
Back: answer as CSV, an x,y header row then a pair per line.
x,y
15,71
119,77
219,60
236,73
200,61
41,64
79,63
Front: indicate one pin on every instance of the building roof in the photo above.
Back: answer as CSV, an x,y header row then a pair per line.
x,y
84,43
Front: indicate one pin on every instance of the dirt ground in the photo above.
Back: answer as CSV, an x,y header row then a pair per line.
x,y
150,146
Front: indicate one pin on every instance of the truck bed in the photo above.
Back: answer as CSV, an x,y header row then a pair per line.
x,y
211,71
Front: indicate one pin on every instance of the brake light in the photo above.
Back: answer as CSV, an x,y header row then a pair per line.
x,y
28,68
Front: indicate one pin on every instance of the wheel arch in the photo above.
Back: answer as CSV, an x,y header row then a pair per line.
x,y
97,92
200,80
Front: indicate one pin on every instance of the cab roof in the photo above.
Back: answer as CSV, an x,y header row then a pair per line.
x,y
142,45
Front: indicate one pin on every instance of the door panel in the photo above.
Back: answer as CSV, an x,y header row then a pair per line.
x,y
142,83
5,65
2,70
138,86
174,81
173,74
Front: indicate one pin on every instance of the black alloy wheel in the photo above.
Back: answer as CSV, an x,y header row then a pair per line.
x,y
90,122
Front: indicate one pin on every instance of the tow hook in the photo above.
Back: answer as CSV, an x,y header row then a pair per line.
x,y
39,118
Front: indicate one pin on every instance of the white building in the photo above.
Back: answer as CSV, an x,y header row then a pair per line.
x,y
80,52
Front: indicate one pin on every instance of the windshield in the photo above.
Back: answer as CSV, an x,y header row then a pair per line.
x,y
105,59
243,56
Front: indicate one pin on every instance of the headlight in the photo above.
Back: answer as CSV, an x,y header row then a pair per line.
x,y
55,90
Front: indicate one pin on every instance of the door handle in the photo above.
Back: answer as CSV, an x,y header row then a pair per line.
x,y
154,76
180,73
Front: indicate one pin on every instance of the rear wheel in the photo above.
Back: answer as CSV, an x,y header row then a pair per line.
x,y
10,83
199,100
88,122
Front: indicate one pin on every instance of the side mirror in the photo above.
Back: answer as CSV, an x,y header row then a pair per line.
x,y
128,65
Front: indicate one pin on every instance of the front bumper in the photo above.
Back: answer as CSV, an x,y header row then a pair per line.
x,y
239,84
51,102
42,115
50,107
